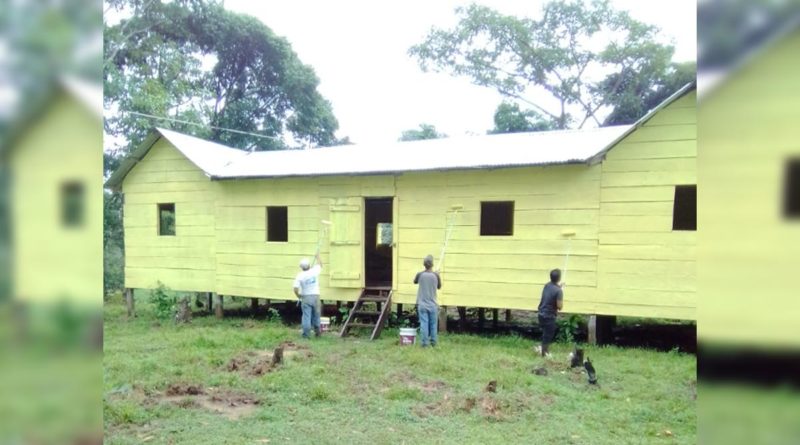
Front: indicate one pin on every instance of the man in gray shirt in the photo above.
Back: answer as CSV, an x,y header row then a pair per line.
x,y
427,308
552,301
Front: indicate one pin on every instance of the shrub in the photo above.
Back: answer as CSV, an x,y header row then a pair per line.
x,y
164,302
568,328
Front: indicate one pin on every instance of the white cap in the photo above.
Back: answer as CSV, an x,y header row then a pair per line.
x,y
305,264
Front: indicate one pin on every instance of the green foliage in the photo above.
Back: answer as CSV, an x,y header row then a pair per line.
x,y
552,56
399,322
273,315
635,103
509,118
164,302
568,328
425,131
113,244
156,61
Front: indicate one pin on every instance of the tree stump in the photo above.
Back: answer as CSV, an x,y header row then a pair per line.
x,y
277,357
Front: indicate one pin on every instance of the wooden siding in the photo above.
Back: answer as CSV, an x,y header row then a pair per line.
x,y
186,261
644,267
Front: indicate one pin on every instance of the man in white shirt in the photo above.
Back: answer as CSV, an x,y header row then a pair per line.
x,y
306,287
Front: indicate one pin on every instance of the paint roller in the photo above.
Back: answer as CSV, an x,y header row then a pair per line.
x,y
455,209
568,234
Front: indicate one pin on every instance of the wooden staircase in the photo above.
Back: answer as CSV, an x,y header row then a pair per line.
x,y
371,311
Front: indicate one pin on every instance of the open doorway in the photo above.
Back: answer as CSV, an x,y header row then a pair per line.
x,y
378,242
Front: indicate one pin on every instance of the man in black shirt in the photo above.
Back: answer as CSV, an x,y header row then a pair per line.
x,y
552,302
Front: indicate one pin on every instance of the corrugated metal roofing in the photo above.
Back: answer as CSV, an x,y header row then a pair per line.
x,y
490,151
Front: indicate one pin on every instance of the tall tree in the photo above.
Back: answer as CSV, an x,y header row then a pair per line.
x,y
509,118
560,64
195,62
425,131
634,103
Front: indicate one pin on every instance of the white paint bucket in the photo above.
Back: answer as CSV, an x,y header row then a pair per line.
x,y
408,336
324,324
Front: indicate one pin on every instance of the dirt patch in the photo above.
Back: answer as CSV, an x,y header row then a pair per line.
x,y
229,404
489,406
184,389
259,362
412,381
433,386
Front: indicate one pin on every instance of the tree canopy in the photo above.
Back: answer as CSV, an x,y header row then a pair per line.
x,y
195,62
425,131
509,118
578,61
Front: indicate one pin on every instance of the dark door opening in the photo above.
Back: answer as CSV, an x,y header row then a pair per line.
x,y
378,226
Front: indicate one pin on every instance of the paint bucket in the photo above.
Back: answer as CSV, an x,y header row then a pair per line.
x,y
324,324
408,336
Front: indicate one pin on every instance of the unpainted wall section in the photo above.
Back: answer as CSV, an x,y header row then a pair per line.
x,y
645,268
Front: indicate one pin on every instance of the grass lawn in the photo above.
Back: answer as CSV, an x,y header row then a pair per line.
x,y
354,391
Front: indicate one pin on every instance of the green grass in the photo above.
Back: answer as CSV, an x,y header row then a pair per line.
x,y
357,391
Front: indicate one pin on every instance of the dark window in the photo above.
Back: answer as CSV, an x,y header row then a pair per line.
x,y
277,224
73,204
166,219
791,189
497,218
684,210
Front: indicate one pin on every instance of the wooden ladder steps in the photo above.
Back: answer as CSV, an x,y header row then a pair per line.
x,y
362,317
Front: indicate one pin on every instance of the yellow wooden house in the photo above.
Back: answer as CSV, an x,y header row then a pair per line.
x,y
55,162
203,217
749,160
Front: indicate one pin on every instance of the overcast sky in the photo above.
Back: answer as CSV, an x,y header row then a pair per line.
x,y
359,51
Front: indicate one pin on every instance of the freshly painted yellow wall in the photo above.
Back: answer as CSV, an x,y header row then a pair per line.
x,y
501,271
183,262
748,253
645,268
505,272
50,261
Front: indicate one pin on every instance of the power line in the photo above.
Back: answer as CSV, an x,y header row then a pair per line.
x,y
180,121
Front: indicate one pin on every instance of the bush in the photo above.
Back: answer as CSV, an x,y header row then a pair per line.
x,y
568,328
273,315
164,302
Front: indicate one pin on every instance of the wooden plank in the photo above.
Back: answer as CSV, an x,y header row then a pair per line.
x,y
653,150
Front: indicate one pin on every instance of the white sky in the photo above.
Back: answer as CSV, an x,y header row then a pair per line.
x,y
358,49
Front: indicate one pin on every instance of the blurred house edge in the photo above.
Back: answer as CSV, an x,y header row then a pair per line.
x,y
760,347
56,139
710,79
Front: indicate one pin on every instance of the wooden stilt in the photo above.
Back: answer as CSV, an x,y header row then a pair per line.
x,y
443,319
210,301
462,318
218,309
129,300
399,310
481,317
254,304
495,316
508,315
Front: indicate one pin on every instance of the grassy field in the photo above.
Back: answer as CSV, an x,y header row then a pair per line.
x,y
206,383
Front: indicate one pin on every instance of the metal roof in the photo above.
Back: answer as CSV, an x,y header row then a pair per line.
x,y
453,153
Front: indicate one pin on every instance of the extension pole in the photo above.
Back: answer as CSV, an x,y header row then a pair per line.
x,y
449,230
